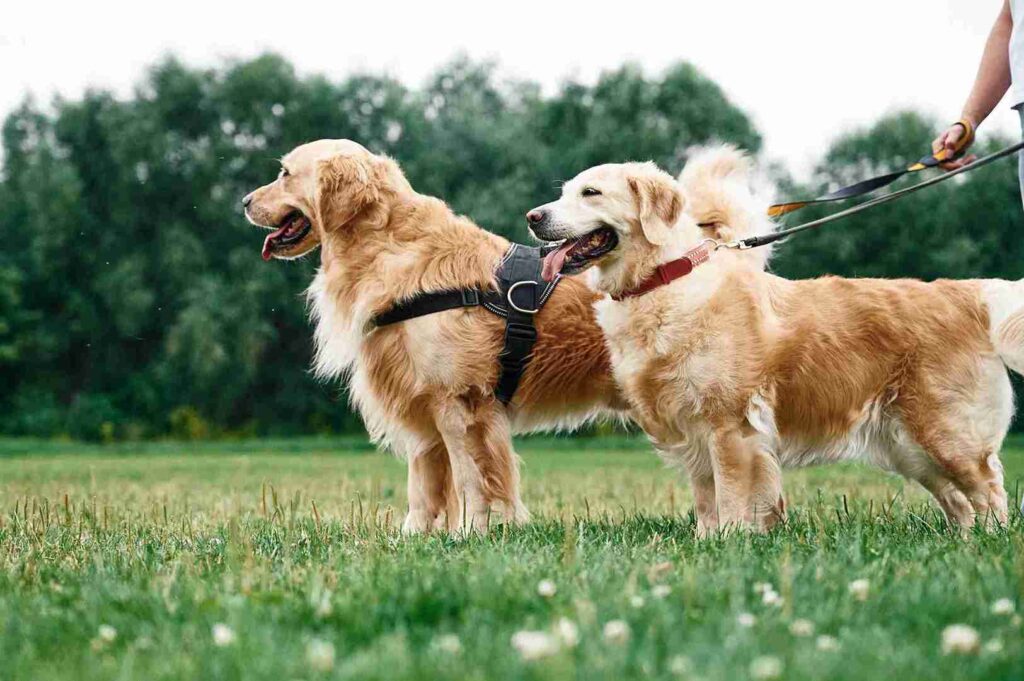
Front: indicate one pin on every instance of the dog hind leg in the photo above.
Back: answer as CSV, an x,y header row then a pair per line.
x,y
965,476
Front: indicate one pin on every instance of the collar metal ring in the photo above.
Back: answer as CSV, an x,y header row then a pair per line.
x,y
512,288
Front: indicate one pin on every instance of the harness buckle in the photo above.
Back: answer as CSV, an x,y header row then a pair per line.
x,y
525,332
470,297
511,290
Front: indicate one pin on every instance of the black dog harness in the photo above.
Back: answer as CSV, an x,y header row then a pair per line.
x,y
521,294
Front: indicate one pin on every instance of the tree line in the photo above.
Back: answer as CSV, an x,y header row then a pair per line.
x,y
133,301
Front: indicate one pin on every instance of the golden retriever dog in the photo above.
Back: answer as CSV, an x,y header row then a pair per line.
x,y
735,373
424,386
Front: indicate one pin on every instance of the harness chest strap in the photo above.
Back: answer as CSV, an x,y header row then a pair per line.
x,y
521,294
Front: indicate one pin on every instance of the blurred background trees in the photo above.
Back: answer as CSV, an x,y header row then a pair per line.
x,y
133,301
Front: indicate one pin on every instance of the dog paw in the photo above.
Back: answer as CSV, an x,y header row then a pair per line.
x,y
418,522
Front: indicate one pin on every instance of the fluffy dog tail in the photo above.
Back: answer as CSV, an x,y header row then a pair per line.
x,y
722,191
1005,302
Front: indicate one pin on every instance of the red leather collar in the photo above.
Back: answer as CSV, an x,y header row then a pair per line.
x,y
669,272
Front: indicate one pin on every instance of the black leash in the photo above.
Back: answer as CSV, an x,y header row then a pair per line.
x,y
765,239
870,185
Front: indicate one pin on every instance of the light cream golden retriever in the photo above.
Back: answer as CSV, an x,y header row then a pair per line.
x,y
734,372
424,386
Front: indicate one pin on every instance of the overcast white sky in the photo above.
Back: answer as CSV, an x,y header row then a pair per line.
x,y
804,69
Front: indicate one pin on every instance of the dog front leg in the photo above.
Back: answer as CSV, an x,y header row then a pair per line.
x,y
705,504
697,462
472,512
748,481
429,485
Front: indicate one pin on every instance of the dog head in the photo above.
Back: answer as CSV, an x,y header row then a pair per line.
x,y
323,187
615,216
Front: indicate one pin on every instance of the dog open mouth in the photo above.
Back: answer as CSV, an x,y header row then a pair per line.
x,y
293,230
573,255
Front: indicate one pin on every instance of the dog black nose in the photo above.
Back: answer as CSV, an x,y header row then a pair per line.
x,y
246,200
536,216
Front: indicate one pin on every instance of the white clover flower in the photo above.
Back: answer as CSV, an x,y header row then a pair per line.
x,y
567,632
766,667
637,601
448,643
802,628
320,655
746,620
222,634
533,645
859,589
680,665
827,643
661,590
1004,606
616,631
961,639
107,633
994,646
546,588
771,597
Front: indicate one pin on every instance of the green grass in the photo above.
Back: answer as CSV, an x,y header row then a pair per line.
x,y
292,545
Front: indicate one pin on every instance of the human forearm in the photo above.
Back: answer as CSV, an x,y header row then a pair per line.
x,y
993,77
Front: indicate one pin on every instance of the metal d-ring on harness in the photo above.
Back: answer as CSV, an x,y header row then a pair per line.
x,y
780,209
521,294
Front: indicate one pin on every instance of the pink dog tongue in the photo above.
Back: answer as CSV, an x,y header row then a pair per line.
x,y
270,237
554,260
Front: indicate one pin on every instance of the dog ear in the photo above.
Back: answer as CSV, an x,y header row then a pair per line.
x,y
345,185
659,202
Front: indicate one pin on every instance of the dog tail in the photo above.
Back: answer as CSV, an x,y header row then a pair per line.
x,y
1005,302
724,193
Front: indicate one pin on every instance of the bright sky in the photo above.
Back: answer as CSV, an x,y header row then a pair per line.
x,y
804,69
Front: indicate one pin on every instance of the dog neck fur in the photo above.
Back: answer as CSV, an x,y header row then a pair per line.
x,y
637,258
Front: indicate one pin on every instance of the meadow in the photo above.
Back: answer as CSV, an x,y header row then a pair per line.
x,y
281,559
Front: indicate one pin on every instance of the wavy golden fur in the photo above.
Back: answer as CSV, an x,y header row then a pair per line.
x,y
424,386
735,373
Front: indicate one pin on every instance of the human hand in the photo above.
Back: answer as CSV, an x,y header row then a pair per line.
x,y
956,139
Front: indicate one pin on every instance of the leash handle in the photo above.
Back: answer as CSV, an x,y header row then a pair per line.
x,y
943,155
966,140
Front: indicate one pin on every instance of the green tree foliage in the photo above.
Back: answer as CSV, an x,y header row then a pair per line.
x,y
133,301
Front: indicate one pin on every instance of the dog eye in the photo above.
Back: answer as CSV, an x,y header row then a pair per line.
x,y
284,172
590,191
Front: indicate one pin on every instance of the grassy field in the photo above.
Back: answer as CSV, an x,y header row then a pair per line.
x,y
280,560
